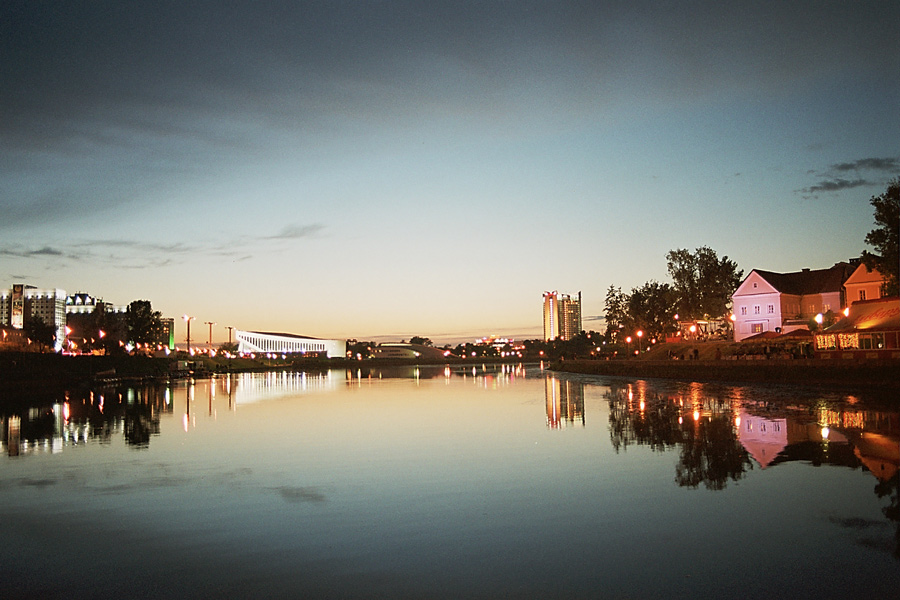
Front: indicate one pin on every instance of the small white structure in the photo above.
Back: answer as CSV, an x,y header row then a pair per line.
x,y
251,342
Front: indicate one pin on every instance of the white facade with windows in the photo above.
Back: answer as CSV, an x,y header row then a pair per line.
x,y
24,302
259,342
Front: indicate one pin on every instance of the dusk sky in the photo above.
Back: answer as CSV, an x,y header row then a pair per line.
x,y
378,170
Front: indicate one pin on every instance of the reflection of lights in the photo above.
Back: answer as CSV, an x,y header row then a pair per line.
x,y
680,420
696,415
642,406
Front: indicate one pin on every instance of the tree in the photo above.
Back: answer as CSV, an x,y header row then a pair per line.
x,y
651,308
41,333
616,312
702,282
422,341
884,238
143,324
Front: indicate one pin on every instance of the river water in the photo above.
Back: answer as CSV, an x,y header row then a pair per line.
x,y
475,482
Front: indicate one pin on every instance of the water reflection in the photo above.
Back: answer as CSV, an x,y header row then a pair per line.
x,y
81,417
565,402
718,431
451,472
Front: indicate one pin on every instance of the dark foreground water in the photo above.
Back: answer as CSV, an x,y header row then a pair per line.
x,y
440,483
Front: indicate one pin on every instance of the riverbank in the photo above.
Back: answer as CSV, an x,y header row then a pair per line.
x,y
872,375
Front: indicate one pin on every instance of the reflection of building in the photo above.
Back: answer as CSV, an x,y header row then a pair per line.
x,y
782,302
250,342
562,316
765,438
565,402
24,302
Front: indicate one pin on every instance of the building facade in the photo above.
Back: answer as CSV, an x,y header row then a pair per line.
x,y
562,316
23,302
259,342
863,284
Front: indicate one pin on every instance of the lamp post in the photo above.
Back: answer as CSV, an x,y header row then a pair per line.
x,y
188,320
628,341
640,335
229,328
210,323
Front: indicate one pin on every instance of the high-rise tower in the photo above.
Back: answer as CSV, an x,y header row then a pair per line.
x,y
562,316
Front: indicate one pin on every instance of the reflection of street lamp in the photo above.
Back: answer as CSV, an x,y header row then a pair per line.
x,y
188,320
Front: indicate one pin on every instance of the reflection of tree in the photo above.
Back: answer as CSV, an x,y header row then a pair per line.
x,y
655,426
711,452
891,489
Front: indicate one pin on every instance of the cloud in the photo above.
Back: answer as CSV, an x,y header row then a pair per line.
x,y
889,165
128,254
17,253
296,232
832,180
836,185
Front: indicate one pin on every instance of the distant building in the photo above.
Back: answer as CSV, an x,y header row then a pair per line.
x,y
23,302
252,342
408,351
783,302
562,316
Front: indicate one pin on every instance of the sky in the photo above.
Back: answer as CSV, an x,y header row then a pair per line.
x,y
378,170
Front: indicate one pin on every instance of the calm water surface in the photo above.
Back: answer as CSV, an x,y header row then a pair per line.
x,y
446,483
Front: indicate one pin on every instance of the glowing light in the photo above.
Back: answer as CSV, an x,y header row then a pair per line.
x,y
825,432
819,318
696,415
847,312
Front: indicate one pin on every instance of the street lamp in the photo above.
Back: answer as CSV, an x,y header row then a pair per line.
x,y
210,323
640,335
188,320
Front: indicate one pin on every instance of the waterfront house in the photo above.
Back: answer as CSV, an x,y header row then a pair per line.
x,y
784,302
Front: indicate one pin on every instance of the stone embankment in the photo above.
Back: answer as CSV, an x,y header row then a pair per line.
x,y
832,374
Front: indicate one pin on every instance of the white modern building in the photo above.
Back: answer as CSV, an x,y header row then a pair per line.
x,y
253,342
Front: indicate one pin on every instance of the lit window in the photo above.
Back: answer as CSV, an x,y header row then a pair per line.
x,y
756,328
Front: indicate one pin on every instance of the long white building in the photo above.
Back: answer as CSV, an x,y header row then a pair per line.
x,y
250,342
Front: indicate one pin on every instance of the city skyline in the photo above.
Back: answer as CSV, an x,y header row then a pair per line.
x,y
384,170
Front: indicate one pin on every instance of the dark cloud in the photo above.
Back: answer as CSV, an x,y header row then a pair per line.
x,y
832,181
889,165
836,185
